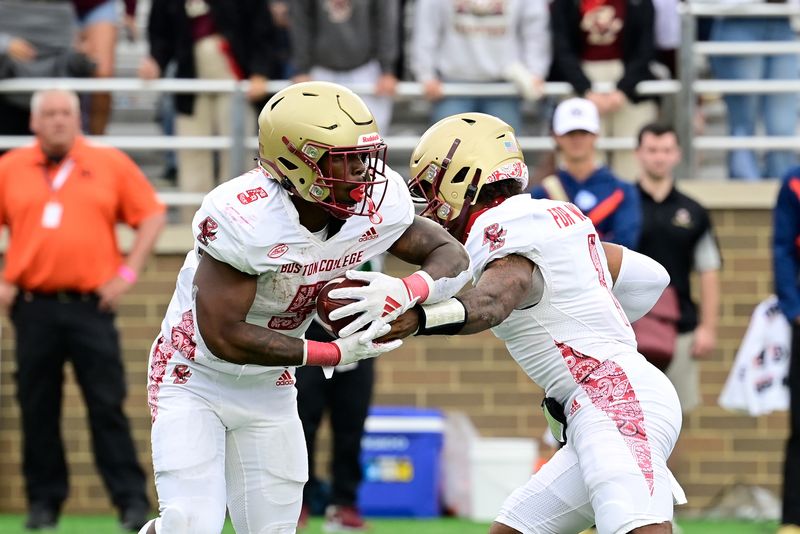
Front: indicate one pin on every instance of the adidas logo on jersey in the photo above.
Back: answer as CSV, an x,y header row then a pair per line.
x,y
368,235
286,379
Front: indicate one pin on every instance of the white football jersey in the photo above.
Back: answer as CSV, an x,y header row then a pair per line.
x,y
251,224
576,309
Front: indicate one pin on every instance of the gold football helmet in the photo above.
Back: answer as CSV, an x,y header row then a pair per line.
x,y
304,128
455,158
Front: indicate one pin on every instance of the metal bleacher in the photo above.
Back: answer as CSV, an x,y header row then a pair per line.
x,y
134,127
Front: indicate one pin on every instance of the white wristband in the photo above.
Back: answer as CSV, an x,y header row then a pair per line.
x,y
447,317
444,288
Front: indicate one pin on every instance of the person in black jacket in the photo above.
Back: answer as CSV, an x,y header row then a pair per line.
x,y
607,41
209,39
37,40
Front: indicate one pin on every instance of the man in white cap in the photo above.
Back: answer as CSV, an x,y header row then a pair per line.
x,y
612,204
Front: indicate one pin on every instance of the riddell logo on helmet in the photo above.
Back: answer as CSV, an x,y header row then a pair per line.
x,y
369,138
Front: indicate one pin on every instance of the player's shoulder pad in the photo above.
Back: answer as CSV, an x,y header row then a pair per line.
x,y
505,229
397,206
239,219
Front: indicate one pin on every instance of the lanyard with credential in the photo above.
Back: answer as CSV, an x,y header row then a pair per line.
x,y
51,216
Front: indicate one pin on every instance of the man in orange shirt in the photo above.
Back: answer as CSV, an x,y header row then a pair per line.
x,y
61,198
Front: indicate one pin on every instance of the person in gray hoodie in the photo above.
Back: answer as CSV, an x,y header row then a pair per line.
x,y
348,42
478,41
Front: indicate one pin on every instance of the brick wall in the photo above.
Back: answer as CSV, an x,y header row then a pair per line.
x,y
473,374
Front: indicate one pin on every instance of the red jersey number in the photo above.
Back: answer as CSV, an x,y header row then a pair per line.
x,y
302,305
601,276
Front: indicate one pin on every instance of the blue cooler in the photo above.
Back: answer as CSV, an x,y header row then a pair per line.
x,y
400,454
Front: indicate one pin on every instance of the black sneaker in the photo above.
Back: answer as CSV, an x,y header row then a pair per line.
x,y
41,517
135,516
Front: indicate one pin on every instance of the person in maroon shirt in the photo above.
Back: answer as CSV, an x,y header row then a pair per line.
x,y
593,42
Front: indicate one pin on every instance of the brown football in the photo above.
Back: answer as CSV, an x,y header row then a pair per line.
x,y
325,305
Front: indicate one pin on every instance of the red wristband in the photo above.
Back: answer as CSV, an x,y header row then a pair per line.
x,y
127,274
319,353
417,286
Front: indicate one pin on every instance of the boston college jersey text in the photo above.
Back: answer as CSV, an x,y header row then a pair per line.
x,y
322,266
262,236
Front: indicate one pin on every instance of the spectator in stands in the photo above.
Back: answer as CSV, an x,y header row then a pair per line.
x,y
36,40
677,232
667,34
786,267
63,279
608,41
281,66
401,66
209,39
778,111
475,41
346,396
348,42
611,204
98,34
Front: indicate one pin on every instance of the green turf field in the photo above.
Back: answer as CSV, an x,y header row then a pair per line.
x,y
12,524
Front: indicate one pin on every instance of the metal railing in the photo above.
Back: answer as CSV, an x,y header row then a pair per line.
x,y
238,142
684,90
690,48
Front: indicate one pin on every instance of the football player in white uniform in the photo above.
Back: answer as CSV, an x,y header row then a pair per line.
x,y
322,200
558,297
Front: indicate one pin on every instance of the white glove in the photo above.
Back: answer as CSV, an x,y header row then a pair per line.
x,y
361,345
349,349
385,298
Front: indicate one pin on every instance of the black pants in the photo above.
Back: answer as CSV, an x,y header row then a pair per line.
x,y
49,331
791,470
347,397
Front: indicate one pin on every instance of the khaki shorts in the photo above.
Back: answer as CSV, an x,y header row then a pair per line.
x,y
684,373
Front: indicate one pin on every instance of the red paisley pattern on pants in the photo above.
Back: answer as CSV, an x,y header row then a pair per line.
x,y
162,354
609,389
183,336
182,341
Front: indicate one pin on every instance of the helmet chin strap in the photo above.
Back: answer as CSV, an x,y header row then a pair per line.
x,y
374,216
278,176
287,184
458,228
